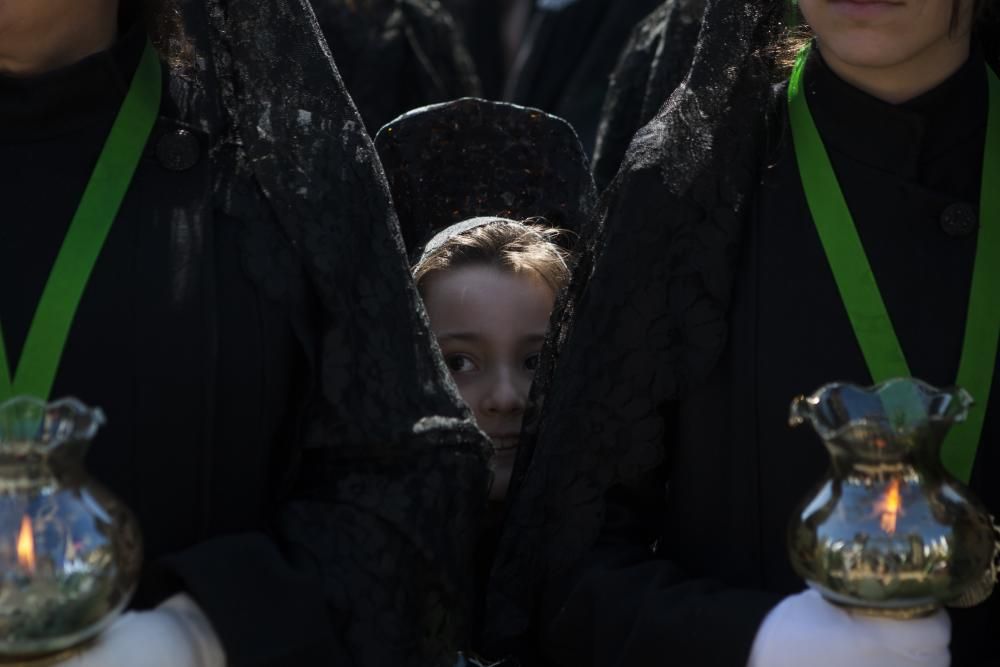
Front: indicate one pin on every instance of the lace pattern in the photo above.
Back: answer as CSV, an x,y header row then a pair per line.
x,y
392,472
653,288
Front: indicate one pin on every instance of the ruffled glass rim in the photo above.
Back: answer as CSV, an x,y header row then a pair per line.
x,y
43,426
914,403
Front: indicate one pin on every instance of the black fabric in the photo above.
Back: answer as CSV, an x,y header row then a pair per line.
x,y
281,599
396,55
656,475
652,64
567,58
297,457
470,158
479,24
489,539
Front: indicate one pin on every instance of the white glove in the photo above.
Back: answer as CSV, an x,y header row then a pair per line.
x,y
805,629
175,634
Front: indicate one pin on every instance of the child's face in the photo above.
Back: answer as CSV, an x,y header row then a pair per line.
x,y
490,325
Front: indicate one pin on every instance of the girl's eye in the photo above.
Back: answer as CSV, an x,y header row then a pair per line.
x,y
458,363
531,363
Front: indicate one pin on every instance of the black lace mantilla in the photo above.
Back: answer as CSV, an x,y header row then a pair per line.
x,y
393,477
471,157
652,65
605,385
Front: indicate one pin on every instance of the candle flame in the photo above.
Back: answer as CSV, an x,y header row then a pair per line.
x,y
890,506
26,545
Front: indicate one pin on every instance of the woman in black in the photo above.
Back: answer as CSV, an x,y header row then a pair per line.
x,y
396,55
650,506
569,50
302,470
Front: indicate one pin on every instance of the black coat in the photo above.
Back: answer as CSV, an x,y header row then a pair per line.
x,y
396,55
297,458
566,61
479,25
661,454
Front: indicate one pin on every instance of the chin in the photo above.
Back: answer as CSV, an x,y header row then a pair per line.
x,y
870,50
883,48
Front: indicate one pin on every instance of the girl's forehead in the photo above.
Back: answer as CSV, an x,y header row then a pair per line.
x,y
487,300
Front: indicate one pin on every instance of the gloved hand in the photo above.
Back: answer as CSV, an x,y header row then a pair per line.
x,y
175,634
805,629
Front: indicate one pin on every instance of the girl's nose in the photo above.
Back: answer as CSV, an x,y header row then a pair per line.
x,y
507,394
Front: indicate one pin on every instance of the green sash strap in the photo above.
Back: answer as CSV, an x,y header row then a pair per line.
x,y
859,290
98,208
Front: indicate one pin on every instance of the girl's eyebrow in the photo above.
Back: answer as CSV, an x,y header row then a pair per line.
x,y
459,335
474,336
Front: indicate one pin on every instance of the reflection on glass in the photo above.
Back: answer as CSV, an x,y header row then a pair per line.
x,y
69,551
890,532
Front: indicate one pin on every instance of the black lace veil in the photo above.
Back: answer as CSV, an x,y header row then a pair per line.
x,y
606,394
391,471
651,66
472,157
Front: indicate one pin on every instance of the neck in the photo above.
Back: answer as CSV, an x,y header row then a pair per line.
x,y
903,81
60,43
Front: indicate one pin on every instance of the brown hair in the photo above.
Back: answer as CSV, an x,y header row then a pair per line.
x,y
515,247
164,24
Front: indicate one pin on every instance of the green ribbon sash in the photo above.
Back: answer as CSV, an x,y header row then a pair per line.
x,y
98,208
859,290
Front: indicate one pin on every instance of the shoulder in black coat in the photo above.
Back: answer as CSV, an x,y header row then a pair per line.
x,y
396,55
566,61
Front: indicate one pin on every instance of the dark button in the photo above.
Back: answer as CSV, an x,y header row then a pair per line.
x,y
959,220
178,150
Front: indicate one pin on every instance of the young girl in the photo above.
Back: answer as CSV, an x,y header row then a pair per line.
x,y
489,285
650,527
